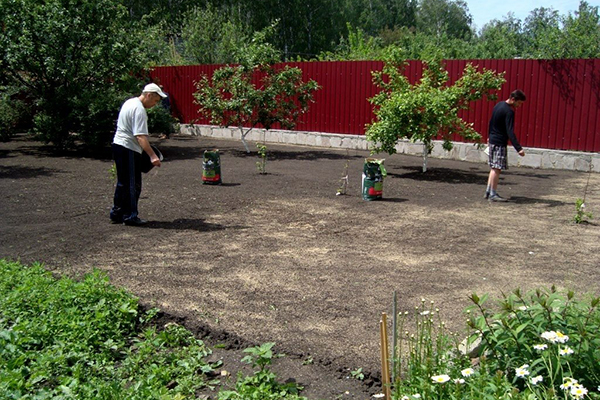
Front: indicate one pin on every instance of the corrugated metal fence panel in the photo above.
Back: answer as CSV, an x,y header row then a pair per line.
x,y
561,112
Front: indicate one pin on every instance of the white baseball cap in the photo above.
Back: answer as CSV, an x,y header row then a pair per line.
x,y
154,88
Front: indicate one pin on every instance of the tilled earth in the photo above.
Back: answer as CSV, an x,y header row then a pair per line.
x,y
279,257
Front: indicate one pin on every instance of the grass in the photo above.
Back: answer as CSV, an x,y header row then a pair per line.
x,y
62,339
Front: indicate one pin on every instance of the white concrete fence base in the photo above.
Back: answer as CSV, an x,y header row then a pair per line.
x,y
534,158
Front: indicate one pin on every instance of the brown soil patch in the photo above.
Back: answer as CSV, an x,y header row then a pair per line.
x,y
280,257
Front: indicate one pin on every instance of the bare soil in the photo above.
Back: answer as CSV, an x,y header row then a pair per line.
x,y
279,257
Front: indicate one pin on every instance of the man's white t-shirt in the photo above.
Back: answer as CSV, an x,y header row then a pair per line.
x,y
132,122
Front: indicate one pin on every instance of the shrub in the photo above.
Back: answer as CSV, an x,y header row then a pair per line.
x,y
542,345
13,112
552,333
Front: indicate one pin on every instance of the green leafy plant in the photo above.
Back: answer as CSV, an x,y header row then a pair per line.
x,y
542,345
255,92
112,173
544,332
76,62
581,215
427,109
65,339
357,374
262,154
263,383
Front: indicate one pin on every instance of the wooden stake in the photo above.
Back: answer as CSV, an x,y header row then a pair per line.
x,y
385,365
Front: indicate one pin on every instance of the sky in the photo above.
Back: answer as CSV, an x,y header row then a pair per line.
x,y
484,11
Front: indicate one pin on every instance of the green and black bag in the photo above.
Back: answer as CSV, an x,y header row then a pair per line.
x,y
372,183
211,168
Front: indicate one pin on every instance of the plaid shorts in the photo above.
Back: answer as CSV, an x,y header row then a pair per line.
x,y
497,158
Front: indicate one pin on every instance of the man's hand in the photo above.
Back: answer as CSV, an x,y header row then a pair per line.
x,y
145,144
522,153
155,160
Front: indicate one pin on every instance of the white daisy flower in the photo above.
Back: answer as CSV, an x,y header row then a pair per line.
x,y
540,347
568,383
566,351
561,338
467,372
578,391
522,371
459,381
537,379
440,378
549,336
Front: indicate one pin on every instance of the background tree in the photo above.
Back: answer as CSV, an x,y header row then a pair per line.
x,y
542,32
501,39
450,17
255,92
581,34
212,37
75,58
427,109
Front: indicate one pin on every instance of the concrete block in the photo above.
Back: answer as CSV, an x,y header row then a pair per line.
x,y
473,154
581,164
335,141
311,140
596,164
290,138
531,160
324,141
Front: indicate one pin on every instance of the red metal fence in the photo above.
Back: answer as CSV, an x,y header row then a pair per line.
x,y
561,112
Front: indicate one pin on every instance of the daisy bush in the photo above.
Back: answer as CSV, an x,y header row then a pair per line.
x,y
553,333
540,345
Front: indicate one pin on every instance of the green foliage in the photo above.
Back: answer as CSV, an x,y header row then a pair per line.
x,y
501,39
67,339
262,154
209,37
13,112
255,92
358,46
160,120
263,383
542,345
553,333
357,374
75,58
580,214
428,109
438,17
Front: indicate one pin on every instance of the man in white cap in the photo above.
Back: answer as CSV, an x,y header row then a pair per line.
x,y
131,138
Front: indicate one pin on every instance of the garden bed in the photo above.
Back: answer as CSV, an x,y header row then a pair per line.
x,y
279,257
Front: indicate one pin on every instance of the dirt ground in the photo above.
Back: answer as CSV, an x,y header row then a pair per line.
x,y
279,257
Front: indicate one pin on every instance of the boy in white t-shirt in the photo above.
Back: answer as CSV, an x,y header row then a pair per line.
x,y
131,138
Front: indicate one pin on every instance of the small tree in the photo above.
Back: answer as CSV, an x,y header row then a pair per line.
x,y
428,109
75,59
255,92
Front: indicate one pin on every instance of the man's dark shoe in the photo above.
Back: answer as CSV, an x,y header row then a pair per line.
x,y
135,222
497,198
487,195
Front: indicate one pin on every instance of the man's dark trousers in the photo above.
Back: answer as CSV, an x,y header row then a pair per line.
x,y
129,184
